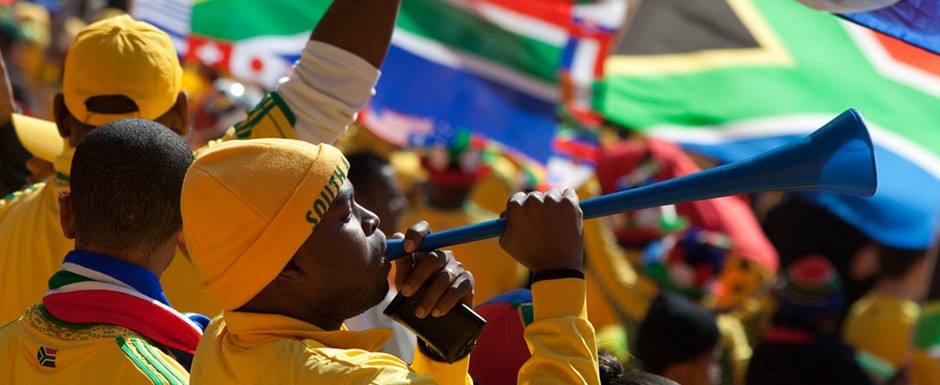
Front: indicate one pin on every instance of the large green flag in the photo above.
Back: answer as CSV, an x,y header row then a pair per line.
x,y
731,78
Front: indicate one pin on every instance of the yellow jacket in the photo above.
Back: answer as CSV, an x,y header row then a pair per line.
x,y
39,349
251,348
31,245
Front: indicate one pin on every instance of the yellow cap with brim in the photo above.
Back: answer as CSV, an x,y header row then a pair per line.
x,y
40,137
121,56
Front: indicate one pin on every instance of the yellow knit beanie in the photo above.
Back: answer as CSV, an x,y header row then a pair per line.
x,y
248,205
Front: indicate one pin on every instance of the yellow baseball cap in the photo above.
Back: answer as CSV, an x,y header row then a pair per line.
x,y
121,56
40,137
248,206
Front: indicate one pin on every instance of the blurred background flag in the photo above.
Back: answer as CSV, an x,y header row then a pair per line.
x,y
914,21
256,42
172,16
489,67
493,68
750,75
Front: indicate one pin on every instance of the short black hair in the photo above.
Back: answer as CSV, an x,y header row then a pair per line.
x,y
674,330
364,167
126,179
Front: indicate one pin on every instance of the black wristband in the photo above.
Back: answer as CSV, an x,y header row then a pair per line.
x,y
546,275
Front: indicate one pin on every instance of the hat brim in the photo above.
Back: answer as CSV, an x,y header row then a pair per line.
x,y
40,137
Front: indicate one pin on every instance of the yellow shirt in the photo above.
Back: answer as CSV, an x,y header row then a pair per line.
x,y
38,349
493,270
881,325
31,245
251,348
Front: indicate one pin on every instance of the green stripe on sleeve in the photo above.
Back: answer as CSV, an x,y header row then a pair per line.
x,y
271,104
282,105
153,358
154,377
243,128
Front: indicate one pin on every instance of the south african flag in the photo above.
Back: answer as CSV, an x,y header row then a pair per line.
x,y
46,356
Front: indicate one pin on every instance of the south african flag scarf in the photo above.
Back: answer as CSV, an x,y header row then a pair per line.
x,y
93,288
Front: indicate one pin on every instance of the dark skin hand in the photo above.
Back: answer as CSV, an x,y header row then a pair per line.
x,y
544,230
451,283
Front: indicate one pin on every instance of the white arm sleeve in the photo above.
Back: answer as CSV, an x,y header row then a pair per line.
x,y
327,87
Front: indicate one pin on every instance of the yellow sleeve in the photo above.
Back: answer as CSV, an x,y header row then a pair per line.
x,y
444,373
561,339
16,197
31,245
271,118
142,364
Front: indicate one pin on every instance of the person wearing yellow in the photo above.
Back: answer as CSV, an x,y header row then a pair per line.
x,y
291,258
120,68
883,321
105,318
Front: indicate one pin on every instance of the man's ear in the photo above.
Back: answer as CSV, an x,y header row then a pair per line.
x,y
177,118
181,244
61,113
66,214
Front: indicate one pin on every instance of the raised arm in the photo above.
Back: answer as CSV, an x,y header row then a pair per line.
x,y
333,80
544,232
